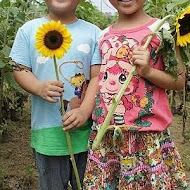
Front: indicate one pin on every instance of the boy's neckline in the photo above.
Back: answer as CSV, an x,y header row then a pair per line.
x,y
133,29
70,25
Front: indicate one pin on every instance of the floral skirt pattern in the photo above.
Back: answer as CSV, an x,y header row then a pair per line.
x,y
146,161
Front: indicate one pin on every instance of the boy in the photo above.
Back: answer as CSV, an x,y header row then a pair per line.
x,y
79,67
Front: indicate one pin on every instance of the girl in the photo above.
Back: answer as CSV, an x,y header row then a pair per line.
x,y
148,158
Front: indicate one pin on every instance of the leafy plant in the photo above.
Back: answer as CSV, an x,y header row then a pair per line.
x,y
13,14
87,11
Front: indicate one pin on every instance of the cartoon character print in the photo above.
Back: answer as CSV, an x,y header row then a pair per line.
x,y
145,105
127,164
156,157
79,82
110,85
146,102
100,111
117,53
117,48
137,144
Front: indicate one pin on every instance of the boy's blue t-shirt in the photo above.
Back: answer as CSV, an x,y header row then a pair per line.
x,y
47,136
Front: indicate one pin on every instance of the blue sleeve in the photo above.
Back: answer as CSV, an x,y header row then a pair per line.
x,y
96,57
20,52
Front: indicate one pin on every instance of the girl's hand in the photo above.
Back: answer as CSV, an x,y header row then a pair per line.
x,y
49,90
141,58
74,119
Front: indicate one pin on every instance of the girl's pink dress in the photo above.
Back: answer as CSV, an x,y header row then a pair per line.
x,y
148,158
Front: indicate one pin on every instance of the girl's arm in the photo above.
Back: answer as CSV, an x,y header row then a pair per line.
x,y
162,79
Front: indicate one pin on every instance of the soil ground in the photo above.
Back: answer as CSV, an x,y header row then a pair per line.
x,y
17,167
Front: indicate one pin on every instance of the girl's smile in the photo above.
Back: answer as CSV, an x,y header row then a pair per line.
x,y
125,2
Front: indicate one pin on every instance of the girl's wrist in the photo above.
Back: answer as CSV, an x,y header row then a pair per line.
x,y
148,74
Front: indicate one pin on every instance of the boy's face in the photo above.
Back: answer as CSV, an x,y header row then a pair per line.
x,y
62,7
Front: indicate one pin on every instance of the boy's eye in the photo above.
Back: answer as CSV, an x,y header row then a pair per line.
x,y
122,78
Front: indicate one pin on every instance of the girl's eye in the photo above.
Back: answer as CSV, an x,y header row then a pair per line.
x,y
105,76
122,78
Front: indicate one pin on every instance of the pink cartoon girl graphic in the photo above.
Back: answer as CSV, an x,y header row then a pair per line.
x,y
116,54
110,84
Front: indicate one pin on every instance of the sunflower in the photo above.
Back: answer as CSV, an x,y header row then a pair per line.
x,y
183,27
53,39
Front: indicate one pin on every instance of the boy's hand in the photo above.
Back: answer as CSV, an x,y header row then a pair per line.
x,y
141,58
74,119
48,90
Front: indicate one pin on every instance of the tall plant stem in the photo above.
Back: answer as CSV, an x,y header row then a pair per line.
x,y
184,115
105,126
2,70
68,138
171,95
1,95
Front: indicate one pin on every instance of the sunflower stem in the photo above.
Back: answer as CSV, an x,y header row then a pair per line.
x,y
68,138
57,77
105,126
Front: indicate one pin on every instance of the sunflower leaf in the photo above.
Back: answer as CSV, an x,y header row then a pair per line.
x,y
118,135
184,55
167,51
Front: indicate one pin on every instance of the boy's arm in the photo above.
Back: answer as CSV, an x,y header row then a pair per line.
x,y
160,78
46,90
78,117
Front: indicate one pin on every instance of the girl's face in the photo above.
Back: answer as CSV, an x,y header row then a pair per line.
x,y
128,7
62,7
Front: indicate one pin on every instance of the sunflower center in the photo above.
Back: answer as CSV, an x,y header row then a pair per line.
x,y
53,40
184,25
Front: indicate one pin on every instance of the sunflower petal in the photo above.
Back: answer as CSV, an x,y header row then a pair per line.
x,y
183,28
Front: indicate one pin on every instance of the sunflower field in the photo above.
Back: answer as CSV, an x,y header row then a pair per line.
x,y
17,169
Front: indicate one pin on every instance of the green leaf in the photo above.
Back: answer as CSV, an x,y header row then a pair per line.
x,y
5,3
154,2
179,2
6,51
8,77
184,56
167,51
89,12
118,135
176,4
14,10
2,64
